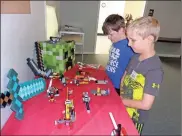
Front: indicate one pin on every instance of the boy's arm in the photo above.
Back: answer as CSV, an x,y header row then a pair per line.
x,y
144,104
153,81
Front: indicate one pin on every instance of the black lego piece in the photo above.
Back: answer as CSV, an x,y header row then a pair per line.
x,y
6,99
39,56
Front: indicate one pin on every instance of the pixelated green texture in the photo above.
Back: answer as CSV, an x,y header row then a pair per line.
x,y
55,55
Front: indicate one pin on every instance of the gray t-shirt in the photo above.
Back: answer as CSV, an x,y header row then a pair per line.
x,y
142,77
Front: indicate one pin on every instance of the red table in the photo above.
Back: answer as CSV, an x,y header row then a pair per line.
x,y
40,114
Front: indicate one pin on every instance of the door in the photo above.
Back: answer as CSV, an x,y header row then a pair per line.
x,y
107,8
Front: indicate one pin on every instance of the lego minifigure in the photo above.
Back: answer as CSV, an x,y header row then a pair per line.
x,y
86,100
63,80
51,94
76,82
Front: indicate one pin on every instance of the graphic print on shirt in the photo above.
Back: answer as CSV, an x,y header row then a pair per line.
x,y
113,60
134,91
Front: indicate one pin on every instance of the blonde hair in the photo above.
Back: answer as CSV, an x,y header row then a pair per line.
x,y
145,26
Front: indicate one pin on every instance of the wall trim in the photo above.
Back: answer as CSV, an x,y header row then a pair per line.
x,y
168,55
160,39
169,40
85,53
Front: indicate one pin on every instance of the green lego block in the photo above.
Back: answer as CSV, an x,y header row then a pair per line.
x,y
57,55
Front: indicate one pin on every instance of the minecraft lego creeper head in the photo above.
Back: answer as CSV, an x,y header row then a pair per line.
x,y
58,56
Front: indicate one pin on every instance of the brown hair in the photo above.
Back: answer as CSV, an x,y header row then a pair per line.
x,y
113,22
145,26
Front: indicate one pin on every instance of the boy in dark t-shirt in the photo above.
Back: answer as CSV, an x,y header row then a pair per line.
x,y
144,74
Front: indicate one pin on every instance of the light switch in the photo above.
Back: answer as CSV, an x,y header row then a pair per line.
x,y
151,12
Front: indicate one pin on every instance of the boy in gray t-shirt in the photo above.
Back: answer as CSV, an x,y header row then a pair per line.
x,y
143,76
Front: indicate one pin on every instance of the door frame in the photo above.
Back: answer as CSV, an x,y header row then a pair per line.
x,y
98,11
145,8
45,17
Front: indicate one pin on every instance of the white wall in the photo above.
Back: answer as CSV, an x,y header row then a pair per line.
x,y
18,34
169,15
82,14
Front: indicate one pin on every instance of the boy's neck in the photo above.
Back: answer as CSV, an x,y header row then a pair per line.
x,y
147,54
122,37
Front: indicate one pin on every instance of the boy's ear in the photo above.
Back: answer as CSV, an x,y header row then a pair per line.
x,y
150,38
122,30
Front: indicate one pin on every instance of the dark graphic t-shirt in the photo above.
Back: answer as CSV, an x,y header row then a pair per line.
x,y
142,77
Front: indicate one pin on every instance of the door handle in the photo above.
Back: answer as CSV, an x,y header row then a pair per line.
x,y
103,5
